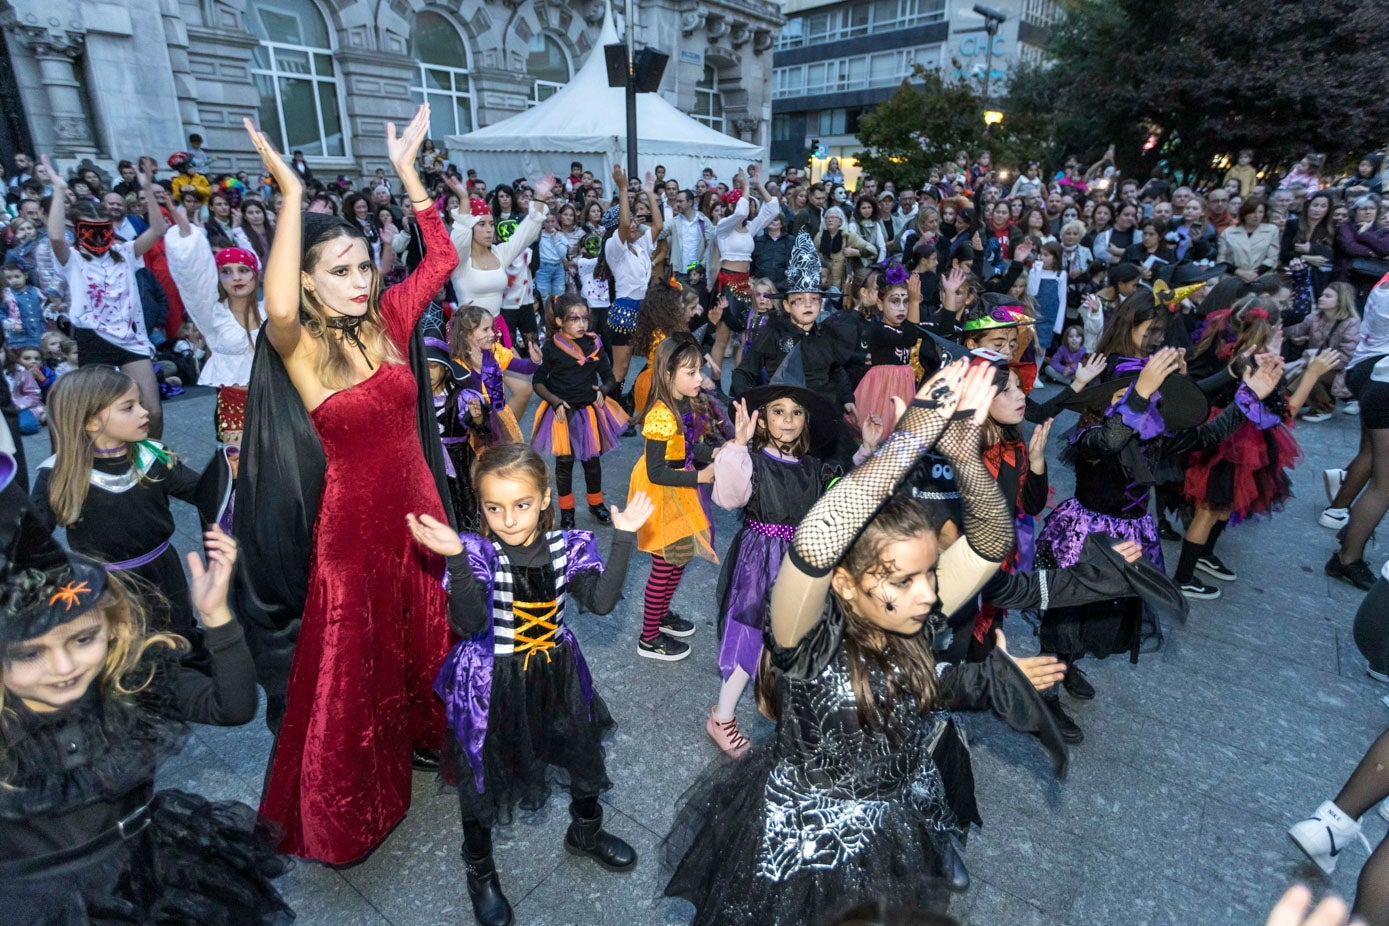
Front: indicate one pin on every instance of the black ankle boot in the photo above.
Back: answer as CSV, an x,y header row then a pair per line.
x,y
586,837
566,519
1065,723
601,513
490,905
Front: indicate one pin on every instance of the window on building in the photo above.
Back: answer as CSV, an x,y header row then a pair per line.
x,y
1040,12
293,70
866,17
548,66
442,77
709,100
781,128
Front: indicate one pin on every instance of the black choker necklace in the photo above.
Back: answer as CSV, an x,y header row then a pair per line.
x,y
113,452
351,328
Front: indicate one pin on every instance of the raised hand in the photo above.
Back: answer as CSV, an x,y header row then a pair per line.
x,y
1092,366
432,534
285,177
977,391
1037,447
1160,365
744,425
954,279
403,149
208,584
1264,378
872,432
455,184
55,176
943,389
1323,362
620,179
541,191
639,508
914,288
1024,250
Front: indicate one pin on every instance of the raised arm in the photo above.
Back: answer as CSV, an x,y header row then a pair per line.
x,y
831,527
658,219
57,214
624,207
281,281
150,236
194,270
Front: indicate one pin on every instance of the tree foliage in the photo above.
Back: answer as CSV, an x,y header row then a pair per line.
x,y
926,122
1209,77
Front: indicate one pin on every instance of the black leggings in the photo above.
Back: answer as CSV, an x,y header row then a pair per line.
x,y
593,479
477,838
1366,787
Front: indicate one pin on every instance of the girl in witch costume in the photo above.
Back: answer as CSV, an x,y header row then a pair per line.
x,y
219,293
892,338
856,798
1127,425
516,689
578,417
1245,476
343,443
473,345
767,470
110,486
679,433
462,415
92,704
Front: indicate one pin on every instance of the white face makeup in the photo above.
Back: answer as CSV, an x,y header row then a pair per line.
x,y
341,279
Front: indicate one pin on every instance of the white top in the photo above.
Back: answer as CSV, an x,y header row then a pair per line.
x,y
103,297
630,264
735,233
1374,327
484,288
194,270
593,289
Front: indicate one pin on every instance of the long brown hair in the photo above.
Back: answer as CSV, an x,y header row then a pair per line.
x,y
76,399
905,664
1236,336
121,674
467,320
332,362
514,461
675,352
1117,338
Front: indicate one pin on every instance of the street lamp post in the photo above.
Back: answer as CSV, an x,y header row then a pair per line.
x,y
992,20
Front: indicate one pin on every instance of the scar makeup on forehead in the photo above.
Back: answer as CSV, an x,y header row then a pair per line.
x,y
343,251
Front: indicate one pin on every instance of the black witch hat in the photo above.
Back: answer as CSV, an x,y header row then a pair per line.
x,y
436,341
42,586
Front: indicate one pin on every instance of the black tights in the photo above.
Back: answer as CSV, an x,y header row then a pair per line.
x,y
1369,509
593,476
477,837
1367,786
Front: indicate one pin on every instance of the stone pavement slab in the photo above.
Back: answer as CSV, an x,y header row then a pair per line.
x,y
1175,810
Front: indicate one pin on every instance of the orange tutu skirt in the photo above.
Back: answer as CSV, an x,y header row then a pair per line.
x,y
678,530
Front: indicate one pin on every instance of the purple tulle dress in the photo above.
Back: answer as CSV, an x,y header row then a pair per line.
x,y
783,491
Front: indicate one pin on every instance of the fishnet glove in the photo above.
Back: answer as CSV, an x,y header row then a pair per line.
x,y
988,523
830,528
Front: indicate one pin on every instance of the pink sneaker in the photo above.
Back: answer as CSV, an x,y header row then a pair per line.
x,y
727,735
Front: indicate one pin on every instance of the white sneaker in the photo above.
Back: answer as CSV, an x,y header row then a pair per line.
x,y
1334,518
1315,417
1352,408
1326,834
1331,480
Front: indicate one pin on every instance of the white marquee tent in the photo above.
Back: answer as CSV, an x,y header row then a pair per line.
x,y
587,121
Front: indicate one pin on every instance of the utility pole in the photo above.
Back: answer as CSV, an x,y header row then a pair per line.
x,y
631,95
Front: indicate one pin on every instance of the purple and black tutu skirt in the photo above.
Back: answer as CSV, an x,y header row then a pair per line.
x,y
586,432
750,568
1061,540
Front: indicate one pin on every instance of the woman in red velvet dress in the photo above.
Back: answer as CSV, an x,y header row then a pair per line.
x,y
374,630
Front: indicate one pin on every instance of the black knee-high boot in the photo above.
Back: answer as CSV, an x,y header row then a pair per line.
x,y
587,837
490,906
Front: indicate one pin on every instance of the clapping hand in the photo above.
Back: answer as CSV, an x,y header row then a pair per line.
x,y
433,534
1037,447
639,508
871,431
1323,362
1264,377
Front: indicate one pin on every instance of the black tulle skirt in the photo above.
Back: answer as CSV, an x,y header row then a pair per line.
x,y
714,855
541,732
198,863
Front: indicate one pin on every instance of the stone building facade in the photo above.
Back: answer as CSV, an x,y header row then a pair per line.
x,y
110,80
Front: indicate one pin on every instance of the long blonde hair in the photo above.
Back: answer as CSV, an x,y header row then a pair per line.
x,y
121,673
332,362
76,399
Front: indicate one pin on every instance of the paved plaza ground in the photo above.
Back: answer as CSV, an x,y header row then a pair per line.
x,y
1196,760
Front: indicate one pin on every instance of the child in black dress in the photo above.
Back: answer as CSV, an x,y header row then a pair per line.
x,y
462,416
516,690
110,486
578,417
93,704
